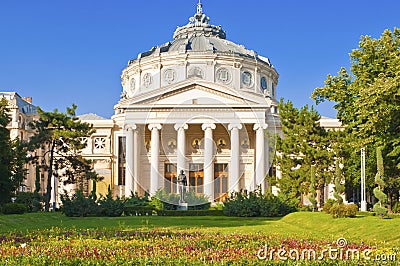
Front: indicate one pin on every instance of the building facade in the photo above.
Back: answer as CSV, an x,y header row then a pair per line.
x,y
199,103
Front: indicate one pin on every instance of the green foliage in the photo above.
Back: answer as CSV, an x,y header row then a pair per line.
x,y
313,192
396,208
27,199
79,206
110,207
135,200
138,210
305,144
170,201
339,188
343,210
37,199
254,204
14,208
12,157
380,207
60,135
328,205
190,213
367,101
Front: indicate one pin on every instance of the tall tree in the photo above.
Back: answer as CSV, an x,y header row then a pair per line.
x,y
304,145
368,98
12,157
61,136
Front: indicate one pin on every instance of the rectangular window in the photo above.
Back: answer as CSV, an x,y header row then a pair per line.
x,y
170,178
196,177
121,160
221,174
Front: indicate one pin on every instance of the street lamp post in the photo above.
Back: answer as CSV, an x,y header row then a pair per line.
x,y
363,200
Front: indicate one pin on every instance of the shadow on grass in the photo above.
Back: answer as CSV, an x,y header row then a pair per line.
x,y
37,221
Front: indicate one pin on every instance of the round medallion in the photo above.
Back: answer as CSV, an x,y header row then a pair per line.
x,y
223,75
147,80
263,83
247,78
196,72
169,76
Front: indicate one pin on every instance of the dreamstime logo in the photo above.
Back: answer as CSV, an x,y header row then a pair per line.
x,y
194,115
341,251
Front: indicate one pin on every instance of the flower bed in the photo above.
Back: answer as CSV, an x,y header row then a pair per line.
x,y
162,247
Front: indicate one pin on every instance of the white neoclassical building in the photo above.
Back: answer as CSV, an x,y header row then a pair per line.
x,y
198,103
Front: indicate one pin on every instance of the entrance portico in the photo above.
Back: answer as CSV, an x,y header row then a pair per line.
x,y
218,158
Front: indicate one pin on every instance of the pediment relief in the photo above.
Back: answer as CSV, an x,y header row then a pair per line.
x,y
198,93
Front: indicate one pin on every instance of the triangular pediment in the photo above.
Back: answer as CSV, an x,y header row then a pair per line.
x,y
197,92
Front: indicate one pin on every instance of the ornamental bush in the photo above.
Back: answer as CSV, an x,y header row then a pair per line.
x,y
14,208
328,205
79,206
110,207
343,210
254,203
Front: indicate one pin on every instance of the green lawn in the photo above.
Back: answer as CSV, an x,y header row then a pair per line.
x,y
304,225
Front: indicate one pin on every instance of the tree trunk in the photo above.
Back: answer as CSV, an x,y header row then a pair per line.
x,y
49,175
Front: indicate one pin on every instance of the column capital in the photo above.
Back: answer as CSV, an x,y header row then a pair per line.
x,y
152,126
235,125
258,126
178,126
130,126
210,125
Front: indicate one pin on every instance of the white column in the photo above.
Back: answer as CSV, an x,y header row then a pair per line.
x,y
208,161
129,158
155,157
234,168
181,148
136,158
260,156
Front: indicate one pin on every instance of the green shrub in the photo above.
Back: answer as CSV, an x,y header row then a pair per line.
x,y
79,206
110,207
14,208
170,201
343,210
254,204
25,198
328,205
138,210
135,200
190,213
396,207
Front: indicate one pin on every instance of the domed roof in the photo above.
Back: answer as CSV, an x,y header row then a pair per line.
x,y
199,36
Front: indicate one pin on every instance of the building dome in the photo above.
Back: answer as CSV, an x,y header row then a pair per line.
x,y
199,36
199,51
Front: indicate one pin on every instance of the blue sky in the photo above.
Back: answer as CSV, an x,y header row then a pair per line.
x,y
64,52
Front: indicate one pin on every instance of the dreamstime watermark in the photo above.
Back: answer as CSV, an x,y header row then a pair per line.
x,y
339,252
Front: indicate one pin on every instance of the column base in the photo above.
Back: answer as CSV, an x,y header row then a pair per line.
x,y
183,206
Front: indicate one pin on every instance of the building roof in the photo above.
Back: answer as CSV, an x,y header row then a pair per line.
x,y
90,116
200,36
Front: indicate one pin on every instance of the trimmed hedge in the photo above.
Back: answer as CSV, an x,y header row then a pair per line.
x,y
14,208
255,204
343,210
138,210
190,213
